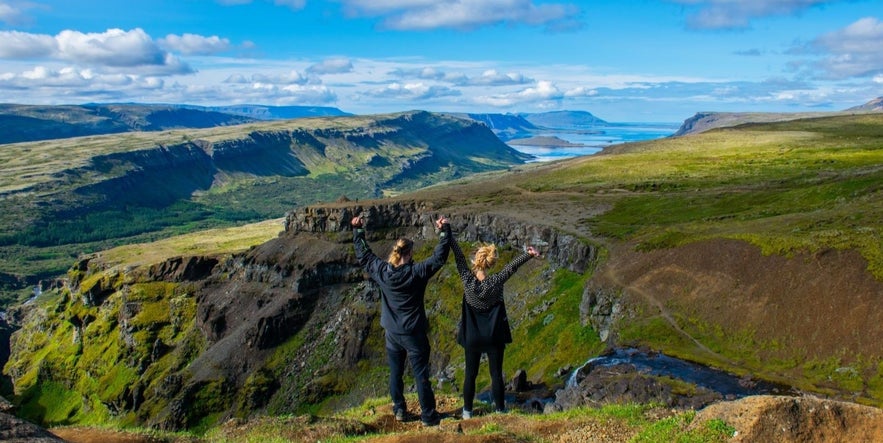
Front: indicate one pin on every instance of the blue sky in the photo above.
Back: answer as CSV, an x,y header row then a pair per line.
x,y
624,61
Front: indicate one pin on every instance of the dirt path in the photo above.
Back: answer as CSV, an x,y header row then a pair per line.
x,y
610,274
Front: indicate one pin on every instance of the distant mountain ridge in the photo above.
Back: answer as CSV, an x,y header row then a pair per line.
x,y
873,105
704,121
564,119
264,112
22,123
524,125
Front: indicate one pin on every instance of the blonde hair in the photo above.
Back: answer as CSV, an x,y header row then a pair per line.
x,y
402,248
485,258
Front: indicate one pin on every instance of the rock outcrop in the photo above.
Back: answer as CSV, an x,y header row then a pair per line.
x,y
796,420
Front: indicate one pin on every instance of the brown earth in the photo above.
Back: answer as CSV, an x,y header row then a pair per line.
x,y
755,419
796,308
799,420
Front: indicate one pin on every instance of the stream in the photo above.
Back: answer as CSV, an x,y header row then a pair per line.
x,y
608,372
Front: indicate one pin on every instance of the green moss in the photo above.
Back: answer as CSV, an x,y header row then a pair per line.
x,y
557,331
51,403
674,429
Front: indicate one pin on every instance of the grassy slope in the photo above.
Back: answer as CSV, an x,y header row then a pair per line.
x,y
785,187
47,219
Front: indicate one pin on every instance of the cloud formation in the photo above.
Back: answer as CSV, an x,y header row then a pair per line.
x,y
543,91
411,91
464,14
331,66
854,51
113,49
193,44
738,14
14,14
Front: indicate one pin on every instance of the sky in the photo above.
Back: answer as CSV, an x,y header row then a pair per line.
x,y
623,61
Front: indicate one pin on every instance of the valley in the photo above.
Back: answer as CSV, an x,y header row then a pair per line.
x,y
754,249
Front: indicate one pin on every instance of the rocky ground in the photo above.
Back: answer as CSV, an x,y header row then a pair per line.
x,y
755,419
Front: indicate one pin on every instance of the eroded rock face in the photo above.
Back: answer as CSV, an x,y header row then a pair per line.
x,y
807,419
415,219
180,269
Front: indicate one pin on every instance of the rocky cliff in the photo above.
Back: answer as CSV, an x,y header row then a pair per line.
x,y
116,189
287,324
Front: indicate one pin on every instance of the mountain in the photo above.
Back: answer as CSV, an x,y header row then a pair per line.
x,y
64,197
525,125
705,121
20,123
749,251
263,112
875,105
504,126
564,120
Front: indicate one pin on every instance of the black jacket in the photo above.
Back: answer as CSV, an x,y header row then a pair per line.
x,y
403,288
484,322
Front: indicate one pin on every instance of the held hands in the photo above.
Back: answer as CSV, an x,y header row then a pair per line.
x,y
533,251
358,221
441,222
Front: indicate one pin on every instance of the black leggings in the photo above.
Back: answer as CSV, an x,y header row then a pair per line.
x,y
495,360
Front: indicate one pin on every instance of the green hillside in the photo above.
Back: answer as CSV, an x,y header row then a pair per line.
x,y
62,198
754,249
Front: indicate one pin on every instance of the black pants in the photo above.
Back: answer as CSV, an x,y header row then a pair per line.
x,y
416,349
495,360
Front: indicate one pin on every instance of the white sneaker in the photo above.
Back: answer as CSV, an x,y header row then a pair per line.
x,y
467,414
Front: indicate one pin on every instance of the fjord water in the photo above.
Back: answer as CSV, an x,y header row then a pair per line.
x,y
596,138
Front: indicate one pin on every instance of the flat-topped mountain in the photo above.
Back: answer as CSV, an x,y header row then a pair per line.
x,y
59,198
563,119
704,121
20,123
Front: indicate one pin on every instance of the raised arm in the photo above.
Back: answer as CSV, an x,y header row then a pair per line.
x,y
512,266
462,264
370,262
427,268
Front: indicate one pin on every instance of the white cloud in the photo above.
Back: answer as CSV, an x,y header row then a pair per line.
x,y
193,44
331,66
23,45
854,51
463,14
493,78
113,49
411,91
542,92
738,14
581,91
488,77
13,14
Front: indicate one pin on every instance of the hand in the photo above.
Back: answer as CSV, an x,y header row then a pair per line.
x,y
533,251
441,222
357,222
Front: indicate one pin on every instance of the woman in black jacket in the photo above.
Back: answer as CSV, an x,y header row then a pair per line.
x,y
402,285
484,326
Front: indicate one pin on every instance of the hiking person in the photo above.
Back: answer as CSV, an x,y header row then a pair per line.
x,y
403,316
484,326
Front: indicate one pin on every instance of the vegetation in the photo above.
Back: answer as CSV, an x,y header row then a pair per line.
x,y
62,198
790,188
786,187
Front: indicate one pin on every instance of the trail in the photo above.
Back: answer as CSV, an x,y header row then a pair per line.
x,y
610,274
